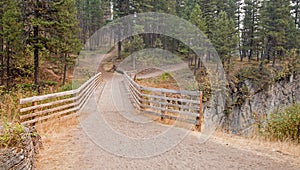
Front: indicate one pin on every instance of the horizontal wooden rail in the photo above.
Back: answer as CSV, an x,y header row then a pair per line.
x,y
40,108
181,105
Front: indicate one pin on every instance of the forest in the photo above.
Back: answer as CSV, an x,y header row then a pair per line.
x,y
41,39
33,32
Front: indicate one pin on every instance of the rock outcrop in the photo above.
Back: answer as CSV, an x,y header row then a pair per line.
x,y
259,104
22,156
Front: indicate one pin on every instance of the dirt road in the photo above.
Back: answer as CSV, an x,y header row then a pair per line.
x,y
97,142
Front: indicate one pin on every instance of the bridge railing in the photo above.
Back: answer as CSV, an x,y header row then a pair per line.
x,y
180,105
63,104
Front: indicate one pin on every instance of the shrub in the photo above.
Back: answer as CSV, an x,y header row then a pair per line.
x,y
66,87
285,124
11,134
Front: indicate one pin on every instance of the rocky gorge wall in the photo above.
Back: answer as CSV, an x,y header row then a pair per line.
x,y
259,104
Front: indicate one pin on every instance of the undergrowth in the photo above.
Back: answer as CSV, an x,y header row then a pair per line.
x,y
11,134
284,124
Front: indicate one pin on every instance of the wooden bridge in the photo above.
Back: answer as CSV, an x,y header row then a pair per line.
x,y
185,106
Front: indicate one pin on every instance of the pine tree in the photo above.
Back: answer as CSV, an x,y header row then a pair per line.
x,y
292,36
11,37
224,37
250,29
188,6
209,8
197,18
37,23
91,16
275,16
144,6
64,33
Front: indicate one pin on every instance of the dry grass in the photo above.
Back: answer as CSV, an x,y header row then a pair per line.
x,y
55,125
163,81
260,143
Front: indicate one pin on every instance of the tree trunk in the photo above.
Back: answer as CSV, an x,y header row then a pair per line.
x,y
189,52
1,58
250,55
173,45
257,53
297,15
119,49
274,58
65,68
241,55
36,58
119,44
7,66
266,52
239,36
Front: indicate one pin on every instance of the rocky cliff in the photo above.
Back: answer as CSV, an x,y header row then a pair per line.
x,y
258,104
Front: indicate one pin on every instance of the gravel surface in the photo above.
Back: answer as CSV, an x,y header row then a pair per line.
x,y
110,137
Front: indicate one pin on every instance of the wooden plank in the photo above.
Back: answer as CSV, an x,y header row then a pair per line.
x,y
191,121
80,94
55,95
83,93
90,88
49,116
86,96
137,101
39,113
47,104
134,92
170,98
183,92
45,97
173,111
172,105
88,82
132,82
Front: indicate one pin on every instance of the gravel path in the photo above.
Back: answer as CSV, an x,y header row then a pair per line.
x,y
110,137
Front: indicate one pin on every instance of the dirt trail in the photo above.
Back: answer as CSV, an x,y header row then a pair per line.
x,y
93,143
169,68
74,148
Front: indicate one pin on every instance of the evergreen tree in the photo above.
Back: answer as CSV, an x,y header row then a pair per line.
x,y
91,16
188,6
224,37
275,21
11,37
209,8
250,29
37,23
64,33
197,18
292,36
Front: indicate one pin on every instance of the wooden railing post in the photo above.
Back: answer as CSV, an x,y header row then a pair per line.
x,y
34,110
163,112
141,98
200,118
